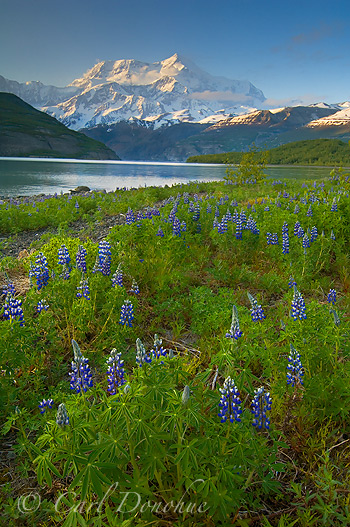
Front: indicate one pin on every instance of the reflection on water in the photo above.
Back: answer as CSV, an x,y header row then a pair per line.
x,y
19,177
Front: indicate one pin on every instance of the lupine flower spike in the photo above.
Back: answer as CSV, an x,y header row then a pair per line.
x,y
45,404
83,290
256,311
260,406
332,296
157,351
62,418
234,332
230,402
41,306
298,306
13,309
295,370
141,354
81,259
115,372
117,278
81,378
185,395
40,271
134,288
127,314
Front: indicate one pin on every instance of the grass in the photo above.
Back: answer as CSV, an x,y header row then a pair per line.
x,y
158,441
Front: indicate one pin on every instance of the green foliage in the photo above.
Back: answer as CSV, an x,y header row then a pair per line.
x,y
147,443
319,152
250,168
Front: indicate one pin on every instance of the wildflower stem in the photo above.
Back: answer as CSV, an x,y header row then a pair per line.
x,y
249,478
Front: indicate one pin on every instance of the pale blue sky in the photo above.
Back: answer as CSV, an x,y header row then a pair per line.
x,y
292,51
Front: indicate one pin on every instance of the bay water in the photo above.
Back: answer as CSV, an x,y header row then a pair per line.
x,y
31,176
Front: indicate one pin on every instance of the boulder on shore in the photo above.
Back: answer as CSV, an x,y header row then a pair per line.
x,y
80,189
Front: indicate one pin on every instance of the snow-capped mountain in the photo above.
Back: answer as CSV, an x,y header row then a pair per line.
x,y
340,118
288,117
36,93
165,92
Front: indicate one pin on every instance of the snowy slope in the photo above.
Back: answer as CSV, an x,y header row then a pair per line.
x,y
337,119
165,92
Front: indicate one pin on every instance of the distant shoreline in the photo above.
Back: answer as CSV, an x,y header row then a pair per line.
x,y
169,163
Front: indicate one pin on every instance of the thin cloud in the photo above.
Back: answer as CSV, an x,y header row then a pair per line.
x,y
317,33
208,95
299,42
299,100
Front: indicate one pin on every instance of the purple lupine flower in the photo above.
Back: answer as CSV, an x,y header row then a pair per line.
x,y
65,275
300,233
160,232
157,351
134,287
332,296
81,259
261,404
291,282
285,238
81,377
83,290
309,211
256,310
63,256
239,227
296,228
141,355
183,226
130,217
104,256
97,266
45,405
127,314
306,242
296,209
9,288
332,235
115,372
314,234
117,278
230,402
40,271
298,306
41,306
13,309
196,214
209,209
176,227
251,225
234,331
222,227
334,207
295,370
62,418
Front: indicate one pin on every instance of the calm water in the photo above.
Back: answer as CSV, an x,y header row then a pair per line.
x,y
20,177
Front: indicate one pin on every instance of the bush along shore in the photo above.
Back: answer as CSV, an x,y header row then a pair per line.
x,y
188,366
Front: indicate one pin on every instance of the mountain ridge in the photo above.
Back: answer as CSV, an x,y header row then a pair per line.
x,y
25,131
163,92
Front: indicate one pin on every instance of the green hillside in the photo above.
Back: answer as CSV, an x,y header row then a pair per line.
x,y
25,131
318,152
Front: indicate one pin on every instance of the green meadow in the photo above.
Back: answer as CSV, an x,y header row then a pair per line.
x,y
191,368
